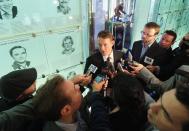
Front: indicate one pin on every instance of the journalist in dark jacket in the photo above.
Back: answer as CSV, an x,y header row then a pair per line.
x,y
130,113
16,87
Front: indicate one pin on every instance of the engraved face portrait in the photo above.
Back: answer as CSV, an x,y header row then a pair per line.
x,y
67,44
63,7
19,55
7,10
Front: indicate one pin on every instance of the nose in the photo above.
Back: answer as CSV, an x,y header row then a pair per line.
x,y
102,48
144,35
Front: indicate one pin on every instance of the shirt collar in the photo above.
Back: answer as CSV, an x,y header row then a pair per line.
x,y
149,45
111,57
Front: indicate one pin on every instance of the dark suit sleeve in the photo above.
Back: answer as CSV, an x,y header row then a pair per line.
x,y
16,117
133,48
136,50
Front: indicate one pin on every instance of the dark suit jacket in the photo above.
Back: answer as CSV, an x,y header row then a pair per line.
x,y
128,120
155,52
179,57
97,60
5,104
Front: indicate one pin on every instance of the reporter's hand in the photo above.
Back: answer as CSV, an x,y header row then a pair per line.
x,y
98,86
151,68
81,79
137,67
128,73
86,80
77,79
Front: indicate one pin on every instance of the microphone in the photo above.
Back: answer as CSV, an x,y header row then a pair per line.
x,y
130,57
120,66
109,69
92,69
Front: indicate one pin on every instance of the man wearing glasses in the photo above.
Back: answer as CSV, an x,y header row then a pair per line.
x,y
147,51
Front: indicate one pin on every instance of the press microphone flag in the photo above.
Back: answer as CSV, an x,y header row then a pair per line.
x,y
92,69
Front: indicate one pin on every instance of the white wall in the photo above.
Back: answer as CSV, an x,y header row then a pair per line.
x,y
141,14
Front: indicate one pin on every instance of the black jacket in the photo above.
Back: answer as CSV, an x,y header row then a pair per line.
x,y
128,120
155,52
5,104
180,57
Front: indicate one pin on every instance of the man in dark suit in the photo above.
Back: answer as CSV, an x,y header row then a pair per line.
x,y
147,51
167,40
180,56
106,42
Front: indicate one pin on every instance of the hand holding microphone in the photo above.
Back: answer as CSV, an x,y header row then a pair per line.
x,y
86,78
98,86
109,69
81,79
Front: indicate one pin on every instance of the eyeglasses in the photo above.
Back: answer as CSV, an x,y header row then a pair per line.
x,y
148,35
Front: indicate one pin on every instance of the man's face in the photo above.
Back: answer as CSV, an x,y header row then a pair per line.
x,y
148,35
168,114
73,92
105,46
67,44
19,55
166,41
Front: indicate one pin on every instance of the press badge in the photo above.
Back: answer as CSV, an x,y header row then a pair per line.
x,y
148,60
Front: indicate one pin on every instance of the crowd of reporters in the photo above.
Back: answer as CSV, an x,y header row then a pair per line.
x,y
119,84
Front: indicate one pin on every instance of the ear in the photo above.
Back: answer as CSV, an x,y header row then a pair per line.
x,y
66,110
113,42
